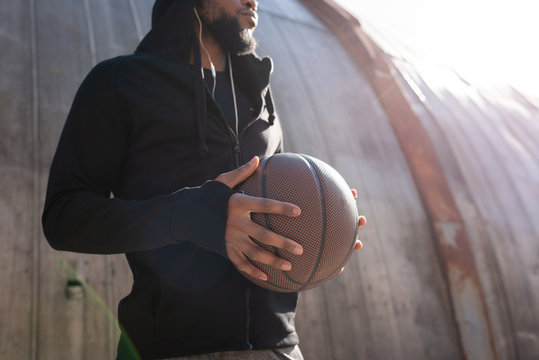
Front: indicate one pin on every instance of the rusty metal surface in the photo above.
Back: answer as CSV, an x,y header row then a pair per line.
x,y
456,255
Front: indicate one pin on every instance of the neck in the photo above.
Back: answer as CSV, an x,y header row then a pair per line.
x,y
217,55
213,50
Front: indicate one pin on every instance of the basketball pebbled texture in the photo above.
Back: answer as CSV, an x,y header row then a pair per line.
x,y
327,227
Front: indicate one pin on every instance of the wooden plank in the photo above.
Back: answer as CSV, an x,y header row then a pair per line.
x,y
290,10
142,14
17,183
69,326
292,91
115,28
311,319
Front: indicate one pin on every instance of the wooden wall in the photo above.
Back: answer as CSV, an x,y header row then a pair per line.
x,y
392,302
48,47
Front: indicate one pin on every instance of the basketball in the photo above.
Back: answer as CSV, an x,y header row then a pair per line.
x,y
327,227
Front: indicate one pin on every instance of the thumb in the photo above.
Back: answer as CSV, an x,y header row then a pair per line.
x,y
236,176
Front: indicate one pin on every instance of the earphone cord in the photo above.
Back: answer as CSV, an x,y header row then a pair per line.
x,y
233,92
214,75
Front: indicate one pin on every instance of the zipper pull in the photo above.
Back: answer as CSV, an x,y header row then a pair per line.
x,y
237,153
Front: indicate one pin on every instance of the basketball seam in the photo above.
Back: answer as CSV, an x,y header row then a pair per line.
x,y
324,219
347,257
269,227
264,195
285,274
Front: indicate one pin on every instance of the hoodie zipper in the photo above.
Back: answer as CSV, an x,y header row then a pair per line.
x,y
237,148
248,318
237,154
235,138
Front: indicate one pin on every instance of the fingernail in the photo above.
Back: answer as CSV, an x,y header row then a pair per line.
x,y
263,277
286,267
296,211
298,250
252,160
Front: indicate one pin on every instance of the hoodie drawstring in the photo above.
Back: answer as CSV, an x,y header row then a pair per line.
x,y
200,99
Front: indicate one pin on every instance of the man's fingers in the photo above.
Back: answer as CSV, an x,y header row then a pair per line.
x,y
361,222
236,176
243,265
268,237
240,230
243,249
270,206
256,253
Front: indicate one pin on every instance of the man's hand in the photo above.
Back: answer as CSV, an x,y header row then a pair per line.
x,y
361,223
239,226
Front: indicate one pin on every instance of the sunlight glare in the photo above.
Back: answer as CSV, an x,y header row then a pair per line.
x,y
488,42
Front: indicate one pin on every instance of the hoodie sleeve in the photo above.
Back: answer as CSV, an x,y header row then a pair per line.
x,y
79,214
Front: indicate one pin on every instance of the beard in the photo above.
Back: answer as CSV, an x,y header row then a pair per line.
x,y
228,33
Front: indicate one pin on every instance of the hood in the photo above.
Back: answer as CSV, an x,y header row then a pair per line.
x,y
172,36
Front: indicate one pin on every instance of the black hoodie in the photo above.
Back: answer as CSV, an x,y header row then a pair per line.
x,y
144,128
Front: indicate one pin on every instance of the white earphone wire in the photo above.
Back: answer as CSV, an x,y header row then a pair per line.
x,y
213,73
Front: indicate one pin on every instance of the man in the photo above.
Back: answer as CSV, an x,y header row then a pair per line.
x,y
153,128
